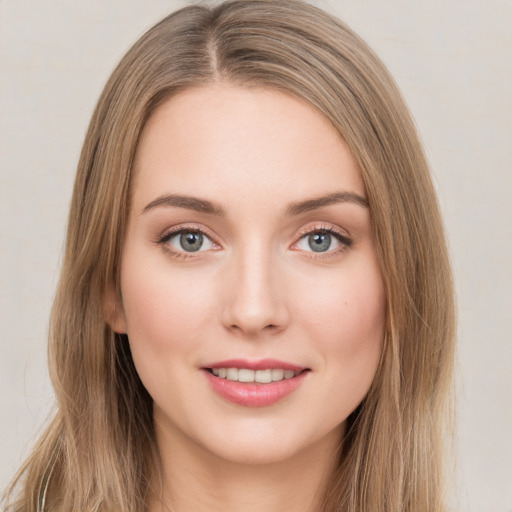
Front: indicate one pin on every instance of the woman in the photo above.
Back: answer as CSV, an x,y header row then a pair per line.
x,y
255,307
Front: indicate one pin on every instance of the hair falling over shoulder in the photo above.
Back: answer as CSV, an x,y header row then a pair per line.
x,y
98,453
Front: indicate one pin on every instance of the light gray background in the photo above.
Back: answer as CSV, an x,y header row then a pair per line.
x,y
453,62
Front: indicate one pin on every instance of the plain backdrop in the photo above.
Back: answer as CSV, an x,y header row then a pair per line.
x,y
453,62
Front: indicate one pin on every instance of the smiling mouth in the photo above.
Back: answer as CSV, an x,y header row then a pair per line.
x,y
259,383
246,375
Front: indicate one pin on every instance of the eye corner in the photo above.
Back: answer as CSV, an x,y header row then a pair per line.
x,y
331,241
173,239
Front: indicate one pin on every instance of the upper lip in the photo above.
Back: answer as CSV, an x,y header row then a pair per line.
x,y
260,364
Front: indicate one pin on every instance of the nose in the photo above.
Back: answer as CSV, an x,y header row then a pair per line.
x,y
255,301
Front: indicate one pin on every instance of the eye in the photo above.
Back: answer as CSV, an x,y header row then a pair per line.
x,y
187,240
317,242
323,240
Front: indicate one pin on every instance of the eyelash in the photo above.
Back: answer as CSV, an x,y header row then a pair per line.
x,y
181,255
343,239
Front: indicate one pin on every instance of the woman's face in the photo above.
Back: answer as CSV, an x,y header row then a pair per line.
x,y
251,293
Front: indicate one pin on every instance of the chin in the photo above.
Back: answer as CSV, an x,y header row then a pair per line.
x,y
264,445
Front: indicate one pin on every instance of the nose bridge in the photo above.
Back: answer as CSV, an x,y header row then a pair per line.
x,y
255,302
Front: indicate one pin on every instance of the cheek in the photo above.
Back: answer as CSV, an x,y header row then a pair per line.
x,y
165,311
346,315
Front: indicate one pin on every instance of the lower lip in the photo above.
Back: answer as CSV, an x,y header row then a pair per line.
x,y
254,395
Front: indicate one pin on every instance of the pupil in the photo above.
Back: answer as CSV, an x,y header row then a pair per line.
x,y
319,242
191,242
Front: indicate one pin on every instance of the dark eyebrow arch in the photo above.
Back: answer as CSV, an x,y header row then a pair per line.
x,y
319,202
187,202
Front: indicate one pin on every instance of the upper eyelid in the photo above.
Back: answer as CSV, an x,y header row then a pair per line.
x,y
169,233
343,238
173,231
330,228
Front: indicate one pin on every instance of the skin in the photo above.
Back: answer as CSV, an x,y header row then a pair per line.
x,y
255,290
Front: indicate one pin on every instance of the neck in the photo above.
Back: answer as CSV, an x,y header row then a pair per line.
x,y
195,480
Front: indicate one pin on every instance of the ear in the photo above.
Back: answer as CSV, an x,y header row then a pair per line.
x,y
113,311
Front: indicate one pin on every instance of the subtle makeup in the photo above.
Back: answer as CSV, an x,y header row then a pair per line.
x,y
251,292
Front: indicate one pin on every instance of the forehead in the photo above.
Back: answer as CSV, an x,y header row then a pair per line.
x,y
225,142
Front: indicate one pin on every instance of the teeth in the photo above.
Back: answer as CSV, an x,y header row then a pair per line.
x,y
245,375
263,376
232,374
277,374
259,376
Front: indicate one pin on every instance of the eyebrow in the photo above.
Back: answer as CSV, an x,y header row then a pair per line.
x,y
318,202
187,202
297,208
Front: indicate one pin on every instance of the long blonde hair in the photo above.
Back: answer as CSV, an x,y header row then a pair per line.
x,y
98,453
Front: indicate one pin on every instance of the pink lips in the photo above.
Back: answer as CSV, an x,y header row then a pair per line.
x,y
254,394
